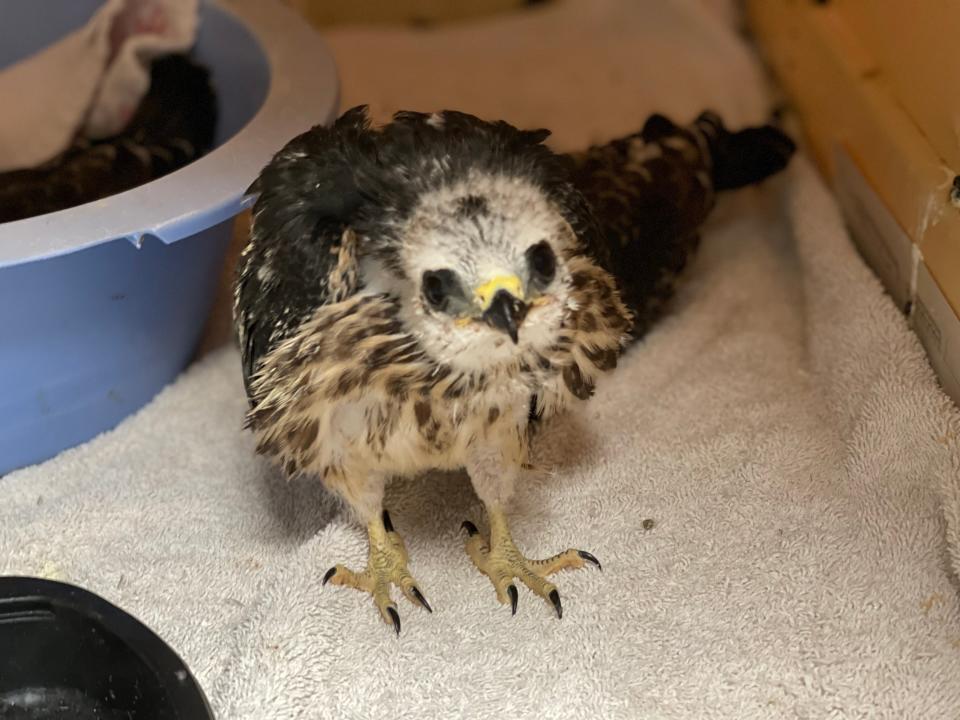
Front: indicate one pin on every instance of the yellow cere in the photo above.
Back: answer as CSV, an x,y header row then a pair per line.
x,y
511,283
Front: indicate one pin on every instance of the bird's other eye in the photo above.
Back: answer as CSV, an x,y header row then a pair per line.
x,y
542,262
438,286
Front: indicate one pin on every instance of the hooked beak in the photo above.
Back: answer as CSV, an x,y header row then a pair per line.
x,y
506,312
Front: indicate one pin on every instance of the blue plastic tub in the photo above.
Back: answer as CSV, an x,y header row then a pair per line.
x,y
103,304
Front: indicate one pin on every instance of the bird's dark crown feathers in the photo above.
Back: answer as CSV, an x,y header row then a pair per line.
x,y
368,178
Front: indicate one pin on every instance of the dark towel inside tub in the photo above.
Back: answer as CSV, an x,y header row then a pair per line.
x,y
173,126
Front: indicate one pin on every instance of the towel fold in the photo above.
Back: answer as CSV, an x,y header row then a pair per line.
x,y
91,81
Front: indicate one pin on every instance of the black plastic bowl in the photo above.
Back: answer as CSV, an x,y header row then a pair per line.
x,y
67,653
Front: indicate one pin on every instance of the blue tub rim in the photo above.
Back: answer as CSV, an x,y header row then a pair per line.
x,y
303,92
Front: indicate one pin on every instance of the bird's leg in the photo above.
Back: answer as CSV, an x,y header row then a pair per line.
x,y
499,559
386,566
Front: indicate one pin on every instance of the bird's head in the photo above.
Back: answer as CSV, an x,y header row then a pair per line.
x,y
485,268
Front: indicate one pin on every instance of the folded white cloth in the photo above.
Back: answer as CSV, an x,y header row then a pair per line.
x,y
90,81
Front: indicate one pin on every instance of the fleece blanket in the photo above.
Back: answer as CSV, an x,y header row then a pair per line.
x,y
770,478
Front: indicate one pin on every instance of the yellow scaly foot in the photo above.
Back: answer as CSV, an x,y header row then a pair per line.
x,y
501,561
386,566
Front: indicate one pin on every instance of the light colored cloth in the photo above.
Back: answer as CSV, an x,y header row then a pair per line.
x,y
782,430
90,81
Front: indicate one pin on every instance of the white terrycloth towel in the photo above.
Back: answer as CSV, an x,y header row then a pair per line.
x,y
90,81
782,429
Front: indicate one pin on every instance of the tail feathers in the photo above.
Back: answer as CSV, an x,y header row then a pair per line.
x,y
744,157
651,192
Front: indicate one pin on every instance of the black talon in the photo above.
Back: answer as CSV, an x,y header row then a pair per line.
x,y
469,527
419,596
512,592
395,616
386,521
555,599
590,558
329,574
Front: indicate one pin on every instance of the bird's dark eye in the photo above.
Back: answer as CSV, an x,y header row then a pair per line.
x,y
543,263
438,286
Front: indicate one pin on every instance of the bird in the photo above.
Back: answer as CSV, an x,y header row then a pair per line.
x,y
174,124
424,294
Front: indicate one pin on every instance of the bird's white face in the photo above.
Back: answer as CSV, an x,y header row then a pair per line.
x,y
486,276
